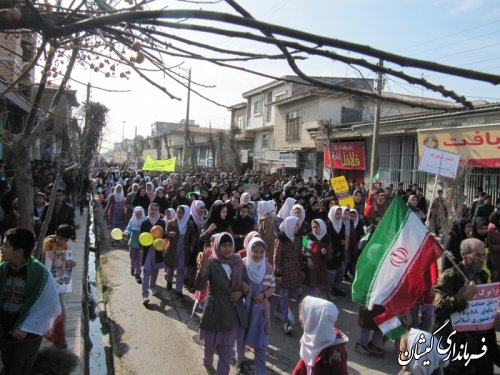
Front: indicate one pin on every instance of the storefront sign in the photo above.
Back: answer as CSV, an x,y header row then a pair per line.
x,y
478,144
346,155
287,160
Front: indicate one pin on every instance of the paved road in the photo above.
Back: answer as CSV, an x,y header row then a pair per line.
x,y
162,339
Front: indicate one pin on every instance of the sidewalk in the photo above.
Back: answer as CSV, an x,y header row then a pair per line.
x,y
76,299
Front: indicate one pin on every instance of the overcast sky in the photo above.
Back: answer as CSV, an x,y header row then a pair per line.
x,y
463,33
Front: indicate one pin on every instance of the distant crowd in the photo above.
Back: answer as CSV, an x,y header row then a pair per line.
x,y
283,235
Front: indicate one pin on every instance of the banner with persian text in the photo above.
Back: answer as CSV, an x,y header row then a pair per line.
x,y
479,144
346,155
167,165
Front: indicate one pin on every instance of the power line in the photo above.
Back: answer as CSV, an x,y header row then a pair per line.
x,y
448,36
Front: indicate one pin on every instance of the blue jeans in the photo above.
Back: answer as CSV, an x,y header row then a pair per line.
x,y
285,294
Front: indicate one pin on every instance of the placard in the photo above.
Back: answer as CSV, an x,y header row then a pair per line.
x,y
59,262
439,162
341,188
481,310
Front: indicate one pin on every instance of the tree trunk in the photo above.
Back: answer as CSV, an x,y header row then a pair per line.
x,y
21,163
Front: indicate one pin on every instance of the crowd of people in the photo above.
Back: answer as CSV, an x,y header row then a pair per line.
x,y
238,240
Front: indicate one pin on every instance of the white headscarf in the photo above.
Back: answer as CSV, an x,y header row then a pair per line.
x,y
255,270
136,223
118,194
347,223
302,212
171,212
245,198
288,226
356,221
249,237
198,219
182,223
265,207
322,229
337,224
284,211
153,219
433,357
319,317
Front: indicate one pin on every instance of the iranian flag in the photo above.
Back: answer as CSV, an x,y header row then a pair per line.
x,y
390,270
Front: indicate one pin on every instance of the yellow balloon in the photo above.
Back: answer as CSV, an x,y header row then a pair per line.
x,y
117,234
145,239
159,244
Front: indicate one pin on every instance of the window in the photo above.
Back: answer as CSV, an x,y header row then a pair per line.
x,y
349,115
269,97
265,140
257,107
268,113
240,122
293,122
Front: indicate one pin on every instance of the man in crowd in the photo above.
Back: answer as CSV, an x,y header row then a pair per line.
x,y
453,292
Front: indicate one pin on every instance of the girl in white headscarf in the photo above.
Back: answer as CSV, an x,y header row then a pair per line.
x,y
322,346
284,211
336,231
298,211
259,277
134,247
198,211
115,209
288,267
317,251
245,198
180,232
267,228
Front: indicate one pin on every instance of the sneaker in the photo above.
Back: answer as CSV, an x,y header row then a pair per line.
x,y
154,290
169,285
375,351
362,350
138,279
287,327
145,301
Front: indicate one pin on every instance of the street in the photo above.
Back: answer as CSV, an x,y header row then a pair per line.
x,y
163,338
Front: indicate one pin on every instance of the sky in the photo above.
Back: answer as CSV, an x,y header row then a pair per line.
x,y
464,33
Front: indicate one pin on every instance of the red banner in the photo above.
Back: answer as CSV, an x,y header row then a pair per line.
x,y
346,155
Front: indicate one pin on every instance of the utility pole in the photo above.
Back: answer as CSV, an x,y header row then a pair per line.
x,y
327,132
187,135
376,124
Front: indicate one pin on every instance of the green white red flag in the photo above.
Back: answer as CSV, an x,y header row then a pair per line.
x,y
390,270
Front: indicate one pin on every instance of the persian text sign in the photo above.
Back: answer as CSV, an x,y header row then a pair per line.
x,y
439,162
167,165
481,310
480,145
346,155
341,188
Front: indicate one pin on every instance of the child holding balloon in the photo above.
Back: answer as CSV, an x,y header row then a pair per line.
x,y
180,232
152,260
134,248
